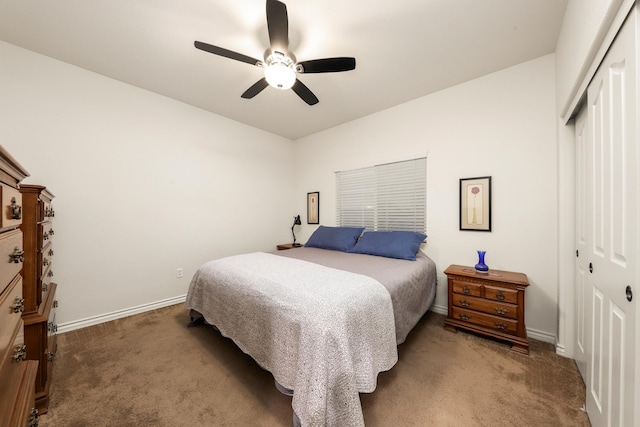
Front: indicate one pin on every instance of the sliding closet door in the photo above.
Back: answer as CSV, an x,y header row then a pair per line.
x,y
583,215
607,245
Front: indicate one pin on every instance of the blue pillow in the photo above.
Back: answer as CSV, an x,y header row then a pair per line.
x,y
334,238
390,244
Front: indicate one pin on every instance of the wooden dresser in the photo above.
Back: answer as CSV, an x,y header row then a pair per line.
x,y
489,303
17,375
38,289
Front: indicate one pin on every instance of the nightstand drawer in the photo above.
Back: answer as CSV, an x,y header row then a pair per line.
x,y
489,307
467,288
498,324
501,294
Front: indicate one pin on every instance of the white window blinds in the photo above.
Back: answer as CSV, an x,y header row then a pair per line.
x,y
391,196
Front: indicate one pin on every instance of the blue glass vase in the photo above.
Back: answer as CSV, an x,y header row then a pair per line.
x,y
481,266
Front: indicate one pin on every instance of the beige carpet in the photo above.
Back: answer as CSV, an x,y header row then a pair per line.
x,y
151,370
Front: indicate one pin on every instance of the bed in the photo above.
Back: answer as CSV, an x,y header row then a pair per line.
x,y
324,319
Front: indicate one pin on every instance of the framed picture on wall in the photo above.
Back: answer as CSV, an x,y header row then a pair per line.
x,y
313,208
475,204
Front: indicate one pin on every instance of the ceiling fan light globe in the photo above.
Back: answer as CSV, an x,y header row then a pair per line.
x,y
280,76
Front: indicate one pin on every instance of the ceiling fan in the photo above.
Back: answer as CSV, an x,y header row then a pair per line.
x,y
280,66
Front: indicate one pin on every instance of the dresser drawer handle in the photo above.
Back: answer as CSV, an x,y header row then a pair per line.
x,y
45,235
501,326
18,306
20,353
501,310
50,273
45,262
465,290
52,327
50,252
17,256
464,316
465,303
500,296
33,418
45,287
16,209
51,233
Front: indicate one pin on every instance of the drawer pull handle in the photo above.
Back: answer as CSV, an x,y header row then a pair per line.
x,y
49,212
45,235
50,273
501,310
501,326
465,290
51,233
33,418
16,209
464,316
52,327
18,306
20,353
45,287
500,296
17,256
45,262
465,303
55,303
50,252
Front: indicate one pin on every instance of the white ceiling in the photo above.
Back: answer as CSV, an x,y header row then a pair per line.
x,y
404,49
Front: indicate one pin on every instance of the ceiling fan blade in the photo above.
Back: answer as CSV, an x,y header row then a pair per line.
x,y
255,89
327,65
278,25
227,53
303,92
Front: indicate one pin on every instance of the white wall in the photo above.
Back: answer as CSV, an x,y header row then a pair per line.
x,y
143,184
502,125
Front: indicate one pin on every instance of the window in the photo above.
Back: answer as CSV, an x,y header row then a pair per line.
x,y
390,196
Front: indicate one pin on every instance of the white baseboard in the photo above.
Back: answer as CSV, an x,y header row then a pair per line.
x,y
439,309
95,320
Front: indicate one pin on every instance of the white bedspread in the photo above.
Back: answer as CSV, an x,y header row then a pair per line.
x,y
322,332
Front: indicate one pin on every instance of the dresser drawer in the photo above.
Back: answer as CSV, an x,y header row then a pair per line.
x,y
485,306
17,396
498,324
467,288
10,313
45,210
45,234
10,250
501,294
13,353
11,206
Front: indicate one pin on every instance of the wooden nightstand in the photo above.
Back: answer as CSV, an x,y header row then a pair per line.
x,y
489,303
284,246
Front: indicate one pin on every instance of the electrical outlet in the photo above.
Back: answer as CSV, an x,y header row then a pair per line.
x,y
179,273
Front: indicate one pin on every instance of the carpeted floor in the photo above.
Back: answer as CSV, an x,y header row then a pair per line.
x,y
151,370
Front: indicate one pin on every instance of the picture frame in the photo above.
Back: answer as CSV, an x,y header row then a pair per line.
x,y
313,207
475,204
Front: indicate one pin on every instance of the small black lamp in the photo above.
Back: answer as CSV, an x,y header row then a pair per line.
x,y
296,221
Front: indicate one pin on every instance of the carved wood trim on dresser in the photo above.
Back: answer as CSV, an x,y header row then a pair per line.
x,y
17,376
39,293
490,303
